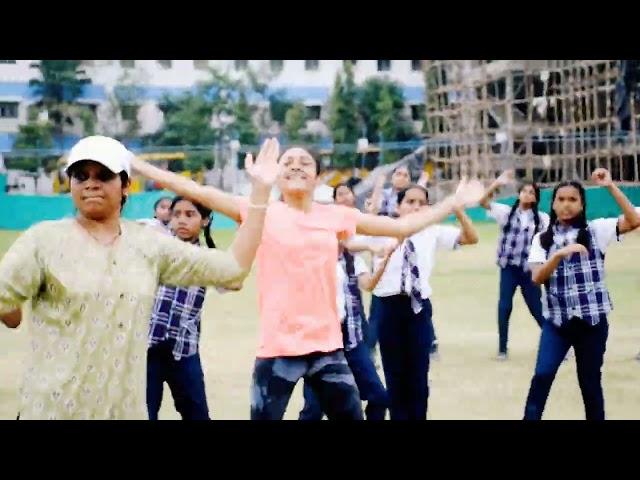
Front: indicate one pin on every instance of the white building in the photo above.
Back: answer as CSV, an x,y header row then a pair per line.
x,y
309,81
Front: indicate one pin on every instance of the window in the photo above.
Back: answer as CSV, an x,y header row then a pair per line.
x,y
313,112
8,110
417,112
201,64
127,63
311,65
11,62
276,65
416,65
129,111
241,64
384,65
166,64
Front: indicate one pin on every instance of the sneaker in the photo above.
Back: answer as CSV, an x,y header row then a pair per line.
x,y
502,356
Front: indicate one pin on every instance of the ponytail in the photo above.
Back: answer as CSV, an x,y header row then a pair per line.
x,y
536,218
207,234
507,225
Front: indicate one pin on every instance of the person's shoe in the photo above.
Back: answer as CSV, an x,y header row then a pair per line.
x,y
502,356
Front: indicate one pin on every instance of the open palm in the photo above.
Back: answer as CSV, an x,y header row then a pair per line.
x,y
505,178
469,192
264,170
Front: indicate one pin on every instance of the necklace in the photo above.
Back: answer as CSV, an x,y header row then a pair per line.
x,y
102,242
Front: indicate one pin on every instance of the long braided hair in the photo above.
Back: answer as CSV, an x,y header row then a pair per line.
x,y
580,221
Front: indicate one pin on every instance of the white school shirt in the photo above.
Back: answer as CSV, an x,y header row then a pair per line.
x,y
155,224
604,229
500,213
359,267
427,241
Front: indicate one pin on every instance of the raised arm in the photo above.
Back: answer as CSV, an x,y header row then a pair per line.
x,y
210,197
468,194
423,181
504,179
630,220
183,264
468,234
263,174
376,195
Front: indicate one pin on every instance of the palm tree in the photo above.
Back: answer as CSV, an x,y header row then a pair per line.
x,y
61,84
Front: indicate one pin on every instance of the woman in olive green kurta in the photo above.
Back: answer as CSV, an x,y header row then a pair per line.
x,y
90,283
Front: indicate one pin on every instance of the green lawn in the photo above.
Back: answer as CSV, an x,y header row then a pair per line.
x,y
467,383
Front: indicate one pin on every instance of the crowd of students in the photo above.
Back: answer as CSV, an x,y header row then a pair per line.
x,y
116,305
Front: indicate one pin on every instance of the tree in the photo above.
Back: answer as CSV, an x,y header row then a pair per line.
x,y
295,122
187,120
245,130
229,100
218,111
382,108
344,120
279,105
122,107
61,84
34,135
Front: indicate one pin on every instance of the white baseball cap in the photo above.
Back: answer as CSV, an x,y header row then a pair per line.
x,y
104,150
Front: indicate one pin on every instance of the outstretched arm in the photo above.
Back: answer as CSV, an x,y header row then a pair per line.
x,y
186,265
376,195
468,193
210,197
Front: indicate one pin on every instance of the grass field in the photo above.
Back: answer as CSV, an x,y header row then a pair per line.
x,y
466,383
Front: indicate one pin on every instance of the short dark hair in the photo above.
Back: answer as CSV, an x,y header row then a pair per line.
x,y
124,179
161,199
401,166
403,193
343,184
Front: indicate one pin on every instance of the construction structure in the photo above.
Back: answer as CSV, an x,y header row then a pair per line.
x,y
551,120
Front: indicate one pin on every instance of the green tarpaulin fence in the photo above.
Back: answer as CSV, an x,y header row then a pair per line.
x,y
18,212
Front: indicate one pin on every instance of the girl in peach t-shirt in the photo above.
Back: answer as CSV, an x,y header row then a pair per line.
x,y
300,334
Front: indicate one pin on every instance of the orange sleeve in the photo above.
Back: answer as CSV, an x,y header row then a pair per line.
x,y
347,221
